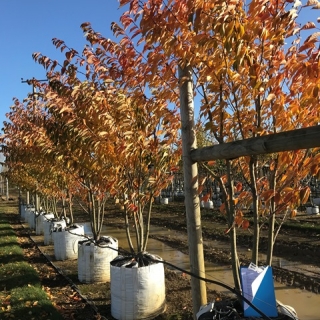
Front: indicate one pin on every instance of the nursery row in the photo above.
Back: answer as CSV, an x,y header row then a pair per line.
x,y
137,282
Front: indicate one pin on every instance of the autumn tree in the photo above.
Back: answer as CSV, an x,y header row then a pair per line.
x,y
31,167
120,126
250,84
83,138
146,129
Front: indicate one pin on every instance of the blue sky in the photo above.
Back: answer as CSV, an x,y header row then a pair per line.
x,y
27,26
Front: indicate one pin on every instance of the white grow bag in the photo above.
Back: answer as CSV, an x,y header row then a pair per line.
x,y
164,200
309,210
316,201
32,218
94,260
137,293
209,204
65,242
49,225
40,221
23,212
27,212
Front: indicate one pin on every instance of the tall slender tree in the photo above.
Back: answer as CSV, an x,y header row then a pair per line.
x,y
251,83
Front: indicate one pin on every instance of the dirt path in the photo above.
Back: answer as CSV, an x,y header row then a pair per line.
x,y
300,248
78,301
303,248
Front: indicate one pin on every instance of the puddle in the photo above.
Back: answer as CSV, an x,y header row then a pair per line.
x,y
304,302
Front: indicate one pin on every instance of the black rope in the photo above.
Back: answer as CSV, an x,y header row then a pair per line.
x,y
151,258
236,292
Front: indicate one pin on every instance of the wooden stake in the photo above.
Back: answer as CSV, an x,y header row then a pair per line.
x,y
192,203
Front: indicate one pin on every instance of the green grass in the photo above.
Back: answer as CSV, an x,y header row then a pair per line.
x,y
21,295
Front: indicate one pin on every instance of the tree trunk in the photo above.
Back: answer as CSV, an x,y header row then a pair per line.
x,y
128,231
230,207
255,209
192,203
7,189
272,219
234,259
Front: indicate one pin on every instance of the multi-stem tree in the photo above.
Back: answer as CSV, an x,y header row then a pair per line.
x,y
83,140
116,128
251,83
147,153
27,157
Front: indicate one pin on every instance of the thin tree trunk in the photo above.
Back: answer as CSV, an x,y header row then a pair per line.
x,y
192,203
54,207
64,211
272,219
127,225
7,189
233,232
70,206
141,240
256,226
235,259
101,215
148,223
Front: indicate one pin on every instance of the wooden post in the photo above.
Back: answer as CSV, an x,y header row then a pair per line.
x,y
192,203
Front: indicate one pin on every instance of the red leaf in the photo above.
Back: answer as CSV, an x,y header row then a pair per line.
x,y
245,224
206,197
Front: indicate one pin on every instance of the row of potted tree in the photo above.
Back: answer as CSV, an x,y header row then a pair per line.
x,y
97,137
103,124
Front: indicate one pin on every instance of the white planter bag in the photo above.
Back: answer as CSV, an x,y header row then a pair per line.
x,y
137,293
94,260
23,212
87,229
49,225
40,221
309,210
32,219
29,209
209,204
26,215
316,201
164,200
65,242
38,225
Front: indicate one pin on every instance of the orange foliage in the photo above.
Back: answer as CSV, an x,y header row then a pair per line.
x,y
206,197
250,82
245,224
